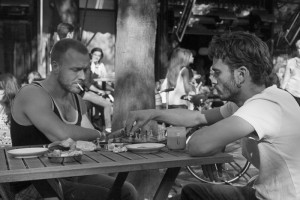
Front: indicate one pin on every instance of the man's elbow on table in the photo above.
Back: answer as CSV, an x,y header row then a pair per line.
x,y
199,147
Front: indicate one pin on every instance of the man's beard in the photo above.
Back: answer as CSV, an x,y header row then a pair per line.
x,y
230,91
64,85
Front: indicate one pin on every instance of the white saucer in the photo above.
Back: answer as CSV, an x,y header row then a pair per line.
x,y
27,152
145,147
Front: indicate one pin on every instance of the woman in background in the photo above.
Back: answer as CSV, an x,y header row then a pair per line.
x,y
34,76
179,76
97,67
8,89
291,79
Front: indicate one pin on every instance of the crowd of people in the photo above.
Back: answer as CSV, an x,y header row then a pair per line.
x,y
242,73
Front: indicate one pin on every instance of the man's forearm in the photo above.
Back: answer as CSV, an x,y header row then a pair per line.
x,y
179,117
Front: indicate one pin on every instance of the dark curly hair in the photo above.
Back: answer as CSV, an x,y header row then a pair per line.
x,y
238,49
99,50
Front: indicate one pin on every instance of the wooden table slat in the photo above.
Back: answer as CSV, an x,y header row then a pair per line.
x,y
33,163
113,156
86,160
47,162
148,155
71,163
3,165
98,157
176,153
131,156
163,154
15,163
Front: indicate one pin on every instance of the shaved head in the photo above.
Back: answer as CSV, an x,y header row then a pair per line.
x,y
62,46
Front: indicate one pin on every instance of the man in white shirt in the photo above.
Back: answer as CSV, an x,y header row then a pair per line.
x,y
240,72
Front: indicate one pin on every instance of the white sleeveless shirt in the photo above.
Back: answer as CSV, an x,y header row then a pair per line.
x,y
175,95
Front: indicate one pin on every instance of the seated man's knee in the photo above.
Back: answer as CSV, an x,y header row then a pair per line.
x,y
192,191
129,192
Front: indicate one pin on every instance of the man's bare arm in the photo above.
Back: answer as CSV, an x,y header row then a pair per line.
x,y
178,117
210,140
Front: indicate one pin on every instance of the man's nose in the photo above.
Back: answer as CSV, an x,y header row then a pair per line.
x,y
81,75
213,80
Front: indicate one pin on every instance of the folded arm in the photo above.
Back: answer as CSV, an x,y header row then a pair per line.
x,y
212,139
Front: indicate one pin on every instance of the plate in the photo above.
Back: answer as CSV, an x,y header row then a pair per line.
x,y
138,141
145,147
27,152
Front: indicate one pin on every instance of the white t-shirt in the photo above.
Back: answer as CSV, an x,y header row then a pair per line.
x,y
177,93
99,69
275,116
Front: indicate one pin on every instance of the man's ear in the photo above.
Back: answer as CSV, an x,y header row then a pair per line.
x,y
55,66
241,74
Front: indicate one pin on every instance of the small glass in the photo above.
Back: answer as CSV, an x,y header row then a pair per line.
x,y
176,137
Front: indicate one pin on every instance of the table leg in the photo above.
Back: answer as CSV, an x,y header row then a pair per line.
x,y
104,85
166,183
115,191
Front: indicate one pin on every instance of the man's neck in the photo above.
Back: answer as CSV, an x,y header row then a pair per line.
x,y
54,88
248,92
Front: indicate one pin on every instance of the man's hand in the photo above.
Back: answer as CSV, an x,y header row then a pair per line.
x,y
100,92
137,119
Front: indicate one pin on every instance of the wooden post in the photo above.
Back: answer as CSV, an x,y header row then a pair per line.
x,y
134,86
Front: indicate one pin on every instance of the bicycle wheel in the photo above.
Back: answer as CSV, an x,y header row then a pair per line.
x,y
231,172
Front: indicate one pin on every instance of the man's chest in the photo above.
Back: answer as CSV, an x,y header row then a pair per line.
x,y
67,110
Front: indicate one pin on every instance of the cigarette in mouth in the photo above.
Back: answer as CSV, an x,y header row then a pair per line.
x,y
80,87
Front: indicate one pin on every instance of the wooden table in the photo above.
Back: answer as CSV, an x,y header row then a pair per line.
x,y
104,80
13,169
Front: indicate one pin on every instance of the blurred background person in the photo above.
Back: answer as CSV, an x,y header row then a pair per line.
x,y
34,76
93,93
64,30
8,89
97,66
291,79
99,70
179,76
280,63
30,77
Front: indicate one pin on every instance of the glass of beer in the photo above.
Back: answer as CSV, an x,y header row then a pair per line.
x,y
176,137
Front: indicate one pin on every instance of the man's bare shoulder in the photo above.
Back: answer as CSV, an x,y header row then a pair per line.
x,y
31,100
32,95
